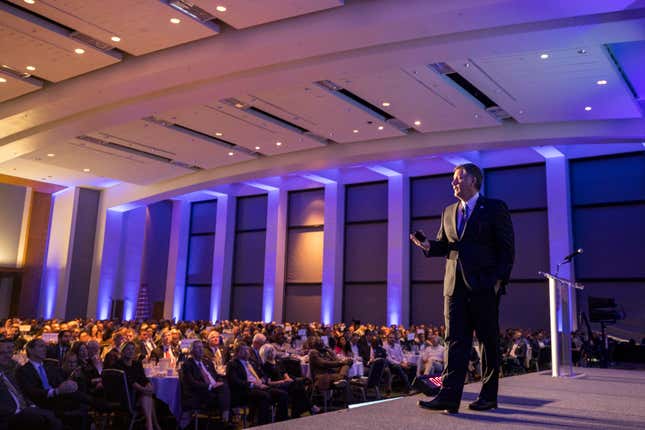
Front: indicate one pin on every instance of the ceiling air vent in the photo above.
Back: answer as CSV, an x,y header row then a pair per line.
x,y
359,102
475,93
88,40
191,10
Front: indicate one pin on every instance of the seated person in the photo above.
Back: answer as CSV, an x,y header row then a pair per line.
x,y
396,361
215,351
277,377
113,353
326,368
200,386
431,358
16,411
247,388
46,386
166,349
138,383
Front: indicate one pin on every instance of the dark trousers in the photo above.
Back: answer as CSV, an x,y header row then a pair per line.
x,y
33,419
464,312
261,401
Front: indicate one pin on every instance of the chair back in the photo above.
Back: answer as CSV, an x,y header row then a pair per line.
x,y
376,372
116,389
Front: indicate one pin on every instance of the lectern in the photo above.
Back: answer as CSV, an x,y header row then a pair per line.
x,y
561,313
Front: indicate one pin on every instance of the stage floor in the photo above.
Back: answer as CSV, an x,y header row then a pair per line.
x,y
601,399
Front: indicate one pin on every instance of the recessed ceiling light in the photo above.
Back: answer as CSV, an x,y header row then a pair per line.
x,y
278,143
79,51
86,170
30,1
355,131
544,56
582,51
417,122
2,80
239,105
115,39
221,8
175,20
587,108
30,68
230,154
218,134
385,104
257,148
380,127
602,82
51,155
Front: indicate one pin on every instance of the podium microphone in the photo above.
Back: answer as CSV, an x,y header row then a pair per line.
x,y
569,257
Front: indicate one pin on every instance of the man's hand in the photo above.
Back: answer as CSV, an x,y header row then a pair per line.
x,y
425,245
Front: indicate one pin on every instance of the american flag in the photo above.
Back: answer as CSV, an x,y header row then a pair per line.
x,y
436,381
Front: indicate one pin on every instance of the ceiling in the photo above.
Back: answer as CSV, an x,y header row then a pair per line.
x,y
172,97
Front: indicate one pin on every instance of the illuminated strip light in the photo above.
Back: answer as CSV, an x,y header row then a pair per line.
x,y
548,151
375,402
319,179
262,186
385,171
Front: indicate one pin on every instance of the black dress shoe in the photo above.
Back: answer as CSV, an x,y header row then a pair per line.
x,y
482,405
437,404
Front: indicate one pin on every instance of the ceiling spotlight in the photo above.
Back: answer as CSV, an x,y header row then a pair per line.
x,y
385,104
380,127
30,1
544,56
587,108
115,39
239,105
51,155
355,131
86,170
602,82
2,80
278,144
230,154
218,134
221,8
30,68
257,148
79,51
175,20
417,122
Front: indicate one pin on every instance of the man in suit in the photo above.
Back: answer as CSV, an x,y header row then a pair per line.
x,y
215,351
166,349
58,351
46,386
200,387
476,237
15,410
248,388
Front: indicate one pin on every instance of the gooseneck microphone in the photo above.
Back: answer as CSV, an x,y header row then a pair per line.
x,y
569,257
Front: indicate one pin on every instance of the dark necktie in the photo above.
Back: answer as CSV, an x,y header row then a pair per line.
x,y
462,221
20,400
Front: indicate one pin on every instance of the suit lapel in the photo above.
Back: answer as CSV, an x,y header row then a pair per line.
x,y
453,220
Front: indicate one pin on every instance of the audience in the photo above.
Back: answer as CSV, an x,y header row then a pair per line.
x,y
230,363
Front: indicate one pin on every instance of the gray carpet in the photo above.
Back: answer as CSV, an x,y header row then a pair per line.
x,y
601,399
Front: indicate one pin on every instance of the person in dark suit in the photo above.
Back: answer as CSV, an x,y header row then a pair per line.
x,y
46,386
58,351
248,388
201,387
476,237
16,411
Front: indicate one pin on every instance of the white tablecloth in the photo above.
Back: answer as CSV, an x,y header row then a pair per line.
x,y
167,390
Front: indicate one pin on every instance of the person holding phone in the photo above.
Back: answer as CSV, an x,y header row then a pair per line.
x,y
476,238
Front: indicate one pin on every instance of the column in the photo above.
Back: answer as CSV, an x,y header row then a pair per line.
x,y
177,258
332,276
223,258
398,265
274,256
